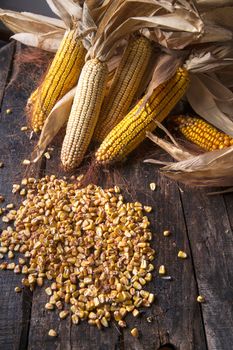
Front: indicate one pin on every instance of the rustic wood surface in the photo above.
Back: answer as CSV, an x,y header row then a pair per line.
x,y
200,224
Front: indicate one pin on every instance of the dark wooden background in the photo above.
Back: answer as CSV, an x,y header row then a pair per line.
x,y
200,224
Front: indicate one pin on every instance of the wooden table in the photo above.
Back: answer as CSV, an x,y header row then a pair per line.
x,y
200,224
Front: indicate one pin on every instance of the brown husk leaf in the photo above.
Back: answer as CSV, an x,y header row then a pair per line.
x,y
125,17
206,170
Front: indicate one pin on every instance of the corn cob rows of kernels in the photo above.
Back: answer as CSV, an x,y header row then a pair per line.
x,y
84,113
202,133
125,84
62,75
91,245
131,131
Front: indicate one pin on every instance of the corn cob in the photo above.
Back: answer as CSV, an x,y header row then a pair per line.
x,y
131,131
62,75
84,112
124,86
202,134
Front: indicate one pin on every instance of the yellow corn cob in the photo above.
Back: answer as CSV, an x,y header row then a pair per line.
x,y
84,112
131,131
62,75
124,86
202,134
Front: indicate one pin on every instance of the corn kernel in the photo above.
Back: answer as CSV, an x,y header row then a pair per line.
x,y
182,254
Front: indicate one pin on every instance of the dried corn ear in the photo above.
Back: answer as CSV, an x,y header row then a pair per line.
x,y
124,86
62,75
202,133
84,112
131,131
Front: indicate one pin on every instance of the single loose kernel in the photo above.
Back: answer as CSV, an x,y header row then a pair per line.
x,y
134,332
26,162
8,111
200,299
122,323
52,333
63,314
49,306
10,206
11,255
166,233
1,164
24,128
152,186
47,155
3,250
24,182
15,188
18,290
182,254
75,319
1,198
23,192
135,312
148,209
162,270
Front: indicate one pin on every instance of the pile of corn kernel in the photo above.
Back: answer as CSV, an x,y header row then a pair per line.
x,y
92,245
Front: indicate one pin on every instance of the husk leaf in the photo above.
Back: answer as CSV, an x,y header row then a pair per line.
x,y
206,170
125,17
56,119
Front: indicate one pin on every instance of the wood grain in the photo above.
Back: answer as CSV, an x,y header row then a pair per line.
x,y
211,240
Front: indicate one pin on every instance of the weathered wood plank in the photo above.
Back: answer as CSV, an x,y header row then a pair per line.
x,y
177,317
15,145
6,57
211,240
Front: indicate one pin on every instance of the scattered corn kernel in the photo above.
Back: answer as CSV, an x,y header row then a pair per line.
x,y
47,155
63,314
182,254
135,312
122,323
153,186
1,164
8,111
200,299
18,290
134,332
148,209
52,333
162,270
26,162
49,306
166,233
24,128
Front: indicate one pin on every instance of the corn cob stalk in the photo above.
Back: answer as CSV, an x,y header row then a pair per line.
x,y
131,131
202,134
84,113
124,86
62,75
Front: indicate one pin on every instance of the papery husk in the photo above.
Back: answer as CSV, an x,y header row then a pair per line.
x,y
206,170
56,119
111,37
46,33
207,95
125,17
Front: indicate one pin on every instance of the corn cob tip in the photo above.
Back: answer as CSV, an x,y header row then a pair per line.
x,y
202,133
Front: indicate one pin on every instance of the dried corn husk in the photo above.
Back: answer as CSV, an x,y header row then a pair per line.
x,y
120,19
206,170
211,99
